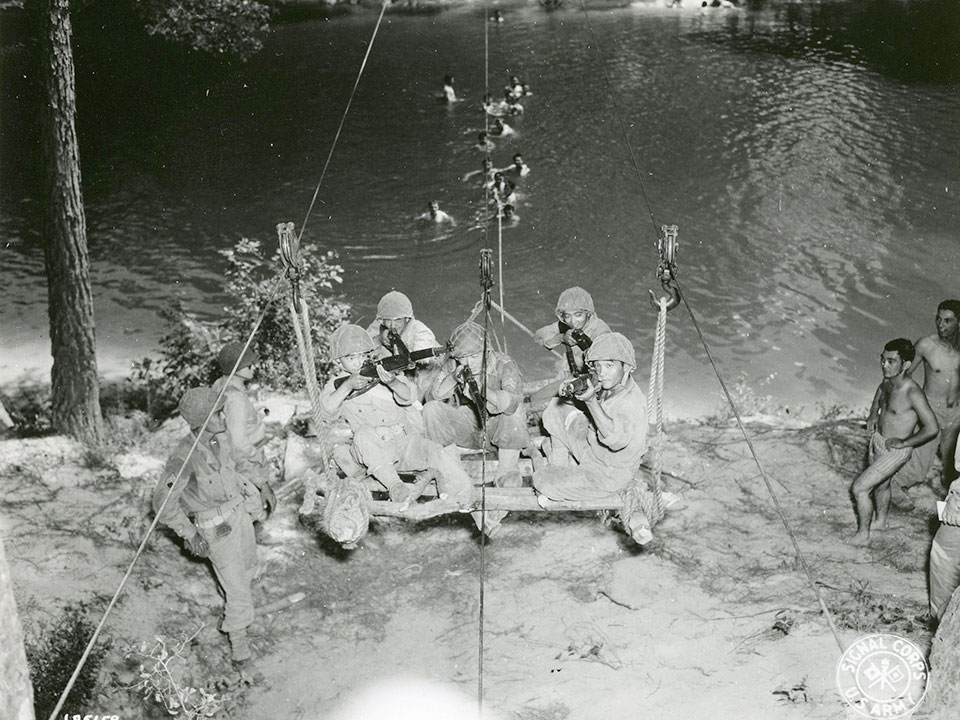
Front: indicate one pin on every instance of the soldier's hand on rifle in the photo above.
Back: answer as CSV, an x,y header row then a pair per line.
x,y
197,545
356,381
589,393
385,377
268,496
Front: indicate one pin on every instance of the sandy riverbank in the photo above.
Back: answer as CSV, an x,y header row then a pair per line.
x,y
714,619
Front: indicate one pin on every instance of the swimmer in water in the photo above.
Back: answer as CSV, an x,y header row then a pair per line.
x,y
487,172
436,215
504,191
484,144
449,94
507,216
497,17
513,105
519,166
498,128
496,109
515,88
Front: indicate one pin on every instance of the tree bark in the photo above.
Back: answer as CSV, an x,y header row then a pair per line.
x,y
76,393
16,693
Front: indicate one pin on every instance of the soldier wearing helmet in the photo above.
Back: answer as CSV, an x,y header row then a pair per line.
x,y
575,315
458,421
245,427
596,446
206,509
384,415
395,319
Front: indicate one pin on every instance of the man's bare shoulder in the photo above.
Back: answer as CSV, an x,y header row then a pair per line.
x,y
926,342
914,392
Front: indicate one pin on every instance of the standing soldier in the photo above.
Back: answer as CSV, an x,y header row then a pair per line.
x,y
395,320
206,510
246,429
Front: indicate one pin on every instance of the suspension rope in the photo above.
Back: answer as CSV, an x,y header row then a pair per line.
x,y
616,106
503,318
655,408
196,441
486,271
716,370
343,119
766,480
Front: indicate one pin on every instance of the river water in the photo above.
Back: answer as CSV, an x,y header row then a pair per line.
x,y
809,153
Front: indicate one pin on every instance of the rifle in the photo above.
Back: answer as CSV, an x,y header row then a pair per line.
x,y
395,343
392,363
583,342
576,385
467,377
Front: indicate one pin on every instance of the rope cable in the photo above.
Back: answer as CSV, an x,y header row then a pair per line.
x,y
619,114
487,179
766,481
143,543
256,326
343,119
803,561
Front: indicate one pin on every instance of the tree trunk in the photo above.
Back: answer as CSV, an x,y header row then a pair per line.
x,y
16,693
76,393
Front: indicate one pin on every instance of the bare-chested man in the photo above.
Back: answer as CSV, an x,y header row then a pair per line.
x,y
900,419
940,356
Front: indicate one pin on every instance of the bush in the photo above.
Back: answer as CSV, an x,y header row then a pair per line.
x,y
53,656
188,352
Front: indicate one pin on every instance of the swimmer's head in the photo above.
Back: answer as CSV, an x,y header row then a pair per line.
x,y
487,163
518,159
482,136
498,177
948,318
514,80
433,206
448,79
896,357
508,211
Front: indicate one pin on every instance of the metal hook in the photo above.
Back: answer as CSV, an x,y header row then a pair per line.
x,y
672,301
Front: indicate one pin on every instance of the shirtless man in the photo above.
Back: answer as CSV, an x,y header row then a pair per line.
x,y
435,214
940,356
449,94
900,420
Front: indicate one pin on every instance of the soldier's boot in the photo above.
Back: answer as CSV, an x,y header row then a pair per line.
x,y
239,646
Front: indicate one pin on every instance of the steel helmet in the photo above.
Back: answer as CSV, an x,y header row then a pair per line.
x,y
573,299
612,346
349,339
229,354
394,305
197,403
467,339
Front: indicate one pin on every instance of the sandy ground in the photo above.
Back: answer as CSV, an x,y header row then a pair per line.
x,y
714,619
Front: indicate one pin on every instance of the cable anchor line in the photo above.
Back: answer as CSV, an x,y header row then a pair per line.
x,y
486,285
